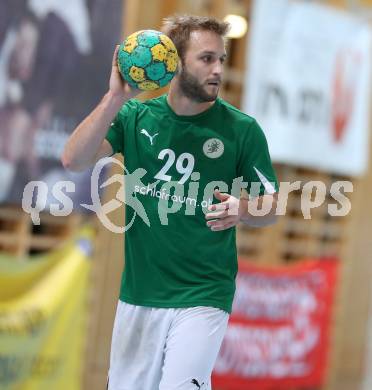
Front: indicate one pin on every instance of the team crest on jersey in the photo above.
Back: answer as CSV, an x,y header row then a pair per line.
x,y
213,148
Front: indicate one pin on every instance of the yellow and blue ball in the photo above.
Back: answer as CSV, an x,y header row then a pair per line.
x,y
147,60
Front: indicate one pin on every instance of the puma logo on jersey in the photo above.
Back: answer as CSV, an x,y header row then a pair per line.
x,y
196,383
151,137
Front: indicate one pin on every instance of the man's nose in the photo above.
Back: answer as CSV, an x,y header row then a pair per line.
x,y
218,68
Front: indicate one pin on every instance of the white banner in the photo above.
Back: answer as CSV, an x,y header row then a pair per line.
x,y
308,84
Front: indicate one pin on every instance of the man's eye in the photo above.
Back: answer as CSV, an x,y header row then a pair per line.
x,y
207,58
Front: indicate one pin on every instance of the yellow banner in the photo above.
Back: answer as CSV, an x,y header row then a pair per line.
x,y
43,310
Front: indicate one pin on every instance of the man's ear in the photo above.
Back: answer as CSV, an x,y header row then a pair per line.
x,y
179,67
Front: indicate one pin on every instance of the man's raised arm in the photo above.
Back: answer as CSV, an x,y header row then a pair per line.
x,y
87,143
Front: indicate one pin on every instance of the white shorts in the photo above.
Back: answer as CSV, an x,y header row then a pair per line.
x,y
165,349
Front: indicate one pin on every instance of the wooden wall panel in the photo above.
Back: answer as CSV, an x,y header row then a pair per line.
x,y
20,237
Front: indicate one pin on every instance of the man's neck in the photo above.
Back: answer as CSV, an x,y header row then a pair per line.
x,y
182,105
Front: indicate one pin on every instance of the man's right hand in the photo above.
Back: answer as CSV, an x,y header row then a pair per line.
x,y
118,86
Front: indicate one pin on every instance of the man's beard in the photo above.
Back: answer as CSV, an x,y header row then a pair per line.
x,y
192,89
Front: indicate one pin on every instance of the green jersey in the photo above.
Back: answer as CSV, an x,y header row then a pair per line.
x,y
173,164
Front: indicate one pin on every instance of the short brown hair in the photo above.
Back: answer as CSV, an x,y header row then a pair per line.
x,y
179,27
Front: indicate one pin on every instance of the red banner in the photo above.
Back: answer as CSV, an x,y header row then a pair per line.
x,y
278,334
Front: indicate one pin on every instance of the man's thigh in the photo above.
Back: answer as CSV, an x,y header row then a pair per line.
x,y
137,347
191,349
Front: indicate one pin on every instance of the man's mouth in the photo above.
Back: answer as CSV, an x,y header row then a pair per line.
x,y
215,83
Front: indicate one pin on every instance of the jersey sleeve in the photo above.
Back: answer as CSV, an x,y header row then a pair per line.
x,y
116,131
254,163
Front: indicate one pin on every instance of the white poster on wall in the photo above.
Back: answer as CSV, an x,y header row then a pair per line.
x,y
308,84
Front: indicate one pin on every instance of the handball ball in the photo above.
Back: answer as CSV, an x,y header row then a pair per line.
x,y
147,60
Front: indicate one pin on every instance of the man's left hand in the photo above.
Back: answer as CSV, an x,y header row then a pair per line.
x,y
224,215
